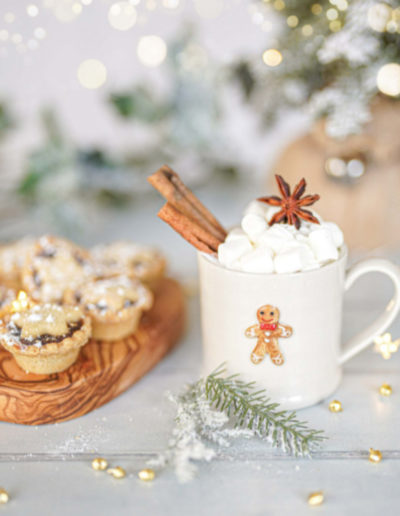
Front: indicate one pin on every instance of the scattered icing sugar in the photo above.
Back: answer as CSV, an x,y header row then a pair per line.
x,y
90,440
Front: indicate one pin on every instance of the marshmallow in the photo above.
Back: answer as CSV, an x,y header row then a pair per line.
x,y
256,208
259,260
289,261
270,212
308,259
235,234
321,242
229,252
258,248
253,225
336,233
301,237
275,238
302,254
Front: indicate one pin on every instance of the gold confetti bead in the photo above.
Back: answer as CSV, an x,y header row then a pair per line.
x,y
316,498
375,455
4,496
385,389
99,464
147,474
117,472
335,406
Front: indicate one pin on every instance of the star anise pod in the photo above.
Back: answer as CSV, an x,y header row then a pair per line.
x,y
291,205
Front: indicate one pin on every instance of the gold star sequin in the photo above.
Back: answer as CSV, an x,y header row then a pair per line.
x,y
386,346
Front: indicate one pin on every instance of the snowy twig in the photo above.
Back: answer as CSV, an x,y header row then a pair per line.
x,y
216,410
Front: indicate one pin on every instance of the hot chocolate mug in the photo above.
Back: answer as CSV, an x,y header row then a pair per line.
x,y
283,331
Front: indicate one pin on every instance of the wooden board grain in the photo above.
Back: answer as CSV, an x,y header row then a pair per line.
x,y
102,372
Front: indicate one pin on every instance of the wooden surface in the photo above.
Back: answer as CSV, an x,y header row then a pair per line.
x,y
102,372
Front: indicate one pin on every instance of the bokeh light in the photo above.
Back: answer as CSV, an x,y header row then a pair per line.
x,y
151,50
32,10
272,57
335,167
39,33
388,79
9,17
209,8
66,10
92,74
342,5
292,21
77,8
16,38
332,14
335,25
279,5
378,16
316,9
307,30
122,16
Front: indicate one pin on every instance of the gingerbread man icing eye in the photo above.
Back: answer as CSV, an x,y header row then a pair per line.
x,y
262,312
271,313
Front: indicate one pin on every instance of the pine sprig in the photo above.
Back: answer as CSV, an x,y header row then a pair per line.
x,y
215,411
252,409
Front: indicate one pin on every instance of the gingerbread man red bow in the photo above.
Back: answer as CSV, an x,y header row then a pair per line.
x,y
268,331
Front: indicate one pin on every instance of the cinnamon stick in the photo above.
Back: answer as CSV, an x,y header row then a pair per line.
x,y
189,229
172,188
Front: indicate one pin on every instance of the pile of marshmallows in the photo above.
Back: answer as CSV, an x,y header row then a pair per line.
x,y
281,248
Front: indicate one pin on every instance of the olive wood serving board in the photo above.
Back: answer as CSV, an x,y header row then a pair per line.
x,y
102,372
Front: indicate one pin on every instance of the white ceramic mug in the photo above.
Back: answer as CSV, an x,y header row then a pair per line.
x,y
283,330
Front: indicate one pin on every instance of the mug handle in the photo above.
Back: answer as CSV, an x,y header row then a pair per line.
x,y
366,337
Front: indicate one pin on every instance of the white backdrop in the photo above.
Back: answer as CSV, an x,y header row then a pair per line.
x,y
47,75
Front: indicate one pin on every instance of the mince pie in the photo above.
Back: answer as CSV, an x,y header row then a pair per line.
x,y
114,304
46,338
12,260
135,260
7,296
53,266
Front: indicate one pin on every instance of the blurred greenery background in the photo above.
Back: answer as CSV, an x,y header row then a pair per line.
x,y
97,95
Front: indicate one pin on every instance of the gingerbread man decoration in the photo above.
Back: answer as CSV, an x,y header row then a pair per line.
x,y
268,331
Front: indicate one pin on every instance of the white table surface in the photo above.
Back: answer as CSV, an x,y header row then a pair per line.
x,y
47,469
